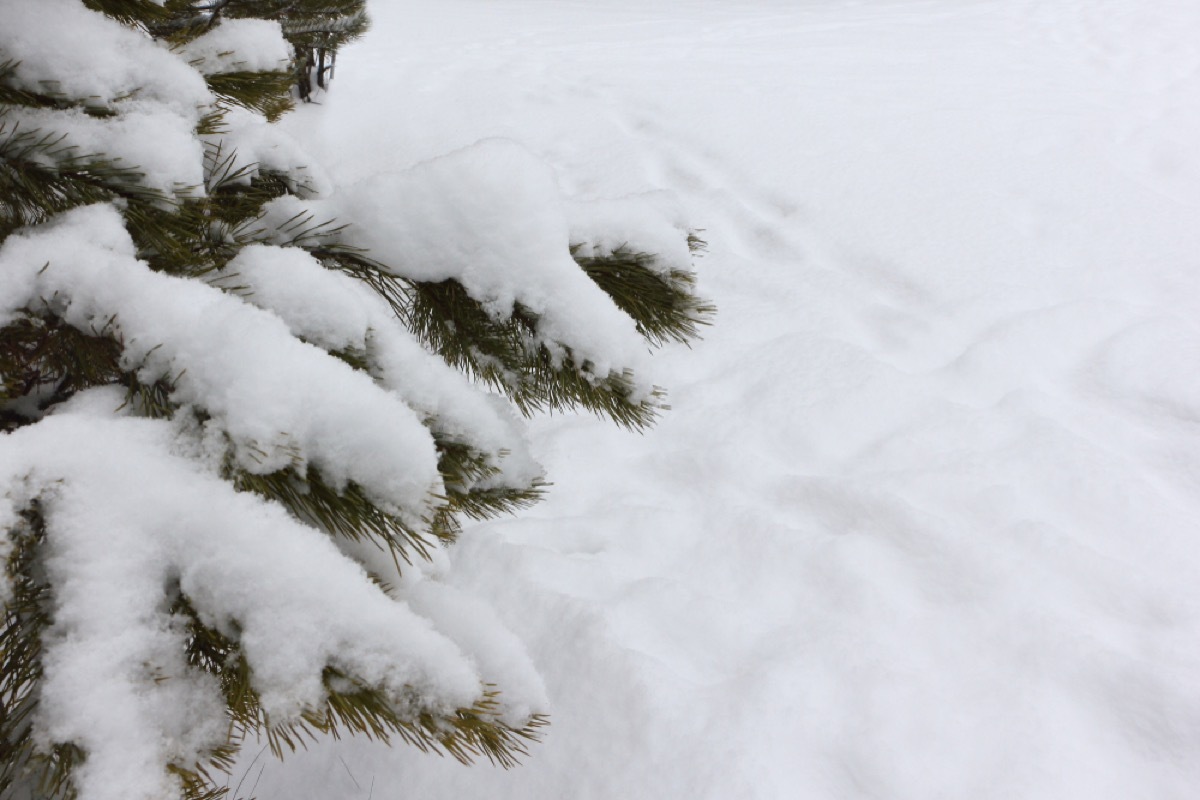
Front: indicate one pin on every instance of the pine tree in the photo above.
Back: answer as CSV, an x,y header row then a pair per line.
x,y
240,410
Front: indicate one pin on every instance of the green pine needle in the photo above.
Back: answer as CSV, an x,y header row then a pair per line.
x,y
662,304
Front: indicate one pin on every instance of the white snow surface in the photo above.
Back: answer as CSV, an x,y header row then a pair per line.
x,y
239,45
116,682
922,521
339,313
491,216
248,144
281,402
163,147
651,222
76,56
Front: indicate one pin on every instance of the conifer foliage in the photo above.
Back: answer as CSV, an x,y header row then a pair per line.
x,y
243,408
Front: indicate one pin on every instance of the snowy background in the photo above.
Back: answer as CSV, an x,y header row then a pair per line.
x,y
922,522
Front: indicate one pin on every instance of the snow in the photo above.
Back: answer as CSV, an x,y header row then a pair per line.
x,y
247,144
491,216
479,631
115,677
152,99
239,45
652,223
324,307
76,57
340,314
280,402
161,146
922,520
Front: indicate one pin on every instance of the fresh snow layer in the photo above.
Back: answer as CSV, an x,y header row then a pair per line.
x,y
491,216
247,145
163,147
116,681
652,222
239,45
341,314
76,56
922,521
281,402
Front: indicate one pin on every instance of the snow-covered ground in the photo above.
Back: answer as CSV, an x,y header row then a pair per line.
x,y
924,521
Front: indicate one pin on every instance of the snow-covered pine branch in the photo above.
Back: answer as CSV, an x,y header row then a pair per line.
x,y
243,406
